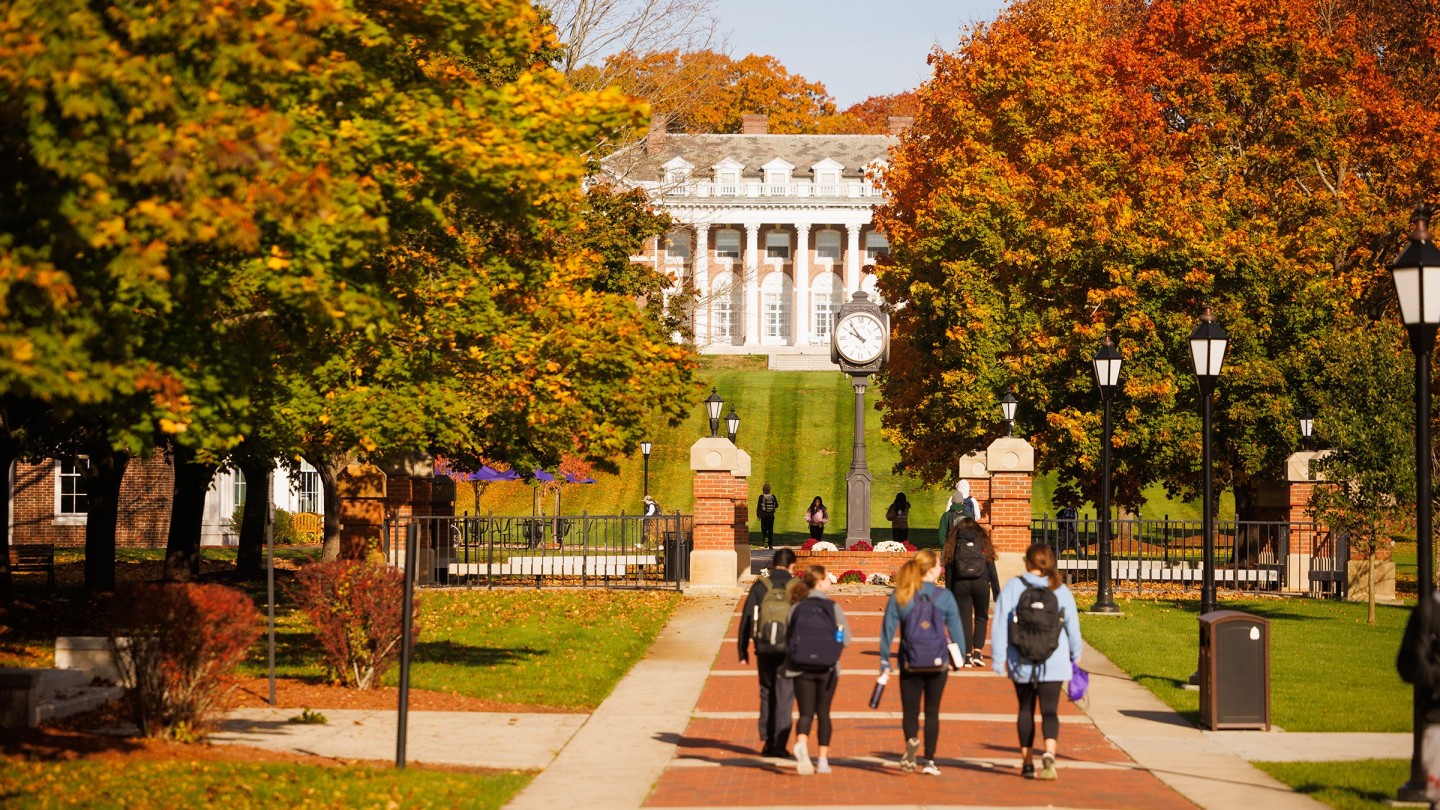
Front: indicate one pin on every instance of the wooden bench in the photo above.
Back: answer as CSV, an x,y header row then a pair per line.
x,y
33,557
309,527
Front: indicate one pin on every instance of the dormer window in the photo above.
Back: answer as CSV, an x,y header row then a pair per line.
x,y
827,178
727,177
677,175
777,177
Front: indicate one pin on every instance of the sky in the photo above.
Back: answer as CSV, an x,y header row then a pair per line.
x,y
856,48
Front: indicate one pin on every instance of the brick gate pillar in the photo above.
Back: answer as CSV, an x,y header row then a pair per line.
x,y
1011,464
722,513
362,489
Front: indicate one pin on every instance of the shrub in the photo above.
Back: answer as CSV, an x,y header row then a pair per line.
x,y
808,544
284,528
183,637
861,545
356,608
852,576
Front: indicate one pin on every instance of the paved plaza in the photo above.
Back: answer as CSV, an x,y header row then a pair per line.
x,y
680,731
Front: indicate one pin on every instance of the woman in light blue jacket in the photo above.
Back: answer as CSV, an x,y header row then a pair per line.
x,y
1032,682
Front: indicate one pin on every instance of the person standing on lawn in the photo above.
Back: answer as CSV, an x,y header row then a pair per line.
x,y
969,560
814,618
1027,624
817,516
899,516
767,603
915,585
765,507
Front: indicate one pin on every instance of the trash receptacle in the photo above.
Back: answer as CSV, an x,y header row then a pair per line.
x,y
1234,671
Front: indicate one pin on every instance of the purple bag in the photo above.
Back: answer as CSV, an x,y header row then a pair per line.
x,y
1079,685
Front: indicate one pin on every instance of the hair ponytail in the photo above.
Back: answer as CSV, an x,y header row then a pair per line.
x,y
1040,557
912,575
806,582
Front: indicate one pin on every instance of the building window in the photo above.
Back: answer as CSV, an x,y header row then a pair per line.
x,y
727,183
777,245
777,182
309,492
727,244
70,496
237,490
677,246
876,245
724,303
826,295
827,245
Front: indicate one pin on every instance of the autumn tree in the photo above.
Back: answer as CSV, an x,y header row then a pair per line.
x,y
1084,168
871,116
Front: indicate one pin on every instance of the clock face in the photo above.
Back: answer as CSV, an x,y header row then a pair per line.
x,y
860,337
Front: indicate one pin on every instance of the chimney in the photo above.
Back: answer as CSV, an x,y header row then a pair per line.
x,y
655,137
899,123
754,124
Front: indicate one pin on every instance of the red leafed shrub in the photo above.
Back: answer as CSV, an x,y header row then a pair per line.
x,y
357,609
809,544
860,545
853,575
178,641
909,546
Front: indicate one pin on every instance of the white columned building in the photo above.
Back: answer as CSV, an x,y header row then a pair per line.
x,y
773,232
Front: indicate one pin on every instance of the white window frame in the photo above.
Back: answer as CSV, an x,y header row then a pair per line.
x,y
826,295
677,239
308,492
822,249
876,245
723,251
67,477
775,310
772,246
724,303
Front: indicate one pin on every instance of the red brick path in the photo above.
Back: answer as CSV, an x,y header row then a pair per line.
x,y
717,762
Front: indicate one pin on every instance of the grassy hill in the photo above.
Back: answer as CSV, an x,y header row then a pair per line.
x,y
797,428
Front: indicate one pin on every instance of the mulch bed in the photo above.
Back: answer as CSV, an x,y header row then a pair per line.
x,y
293,693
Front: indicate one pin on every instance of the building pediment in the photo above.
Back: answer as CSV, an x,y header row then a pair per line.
x,y
827,165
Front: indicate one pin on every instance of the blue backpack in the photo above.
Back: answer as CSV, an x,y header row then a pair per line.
x,y
922,638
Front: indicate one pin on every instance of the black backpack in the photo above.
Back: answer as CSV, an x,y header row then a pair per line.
x,y
1035,626
767,504
815,640
922,638
969,561
769,627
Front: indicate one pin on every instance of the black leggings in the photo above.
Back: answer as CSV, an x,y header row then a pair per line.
x,y
972,596
816,531
914,685
813,693
1049,694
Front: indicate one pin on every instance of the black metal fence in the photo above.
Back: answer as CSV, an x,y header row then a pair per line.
x,y
1275,556
595,551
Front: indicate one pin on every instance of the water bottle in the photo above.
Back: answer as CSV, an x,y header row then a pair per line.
x,y
839,635
879,689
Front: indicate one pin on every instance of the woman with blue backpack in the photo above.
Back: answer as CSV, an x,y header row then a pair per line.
x,y
923,613
816,634
1036,643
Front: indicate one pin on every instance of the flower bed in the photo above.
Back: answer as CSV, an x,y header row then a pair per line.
x,y
867,562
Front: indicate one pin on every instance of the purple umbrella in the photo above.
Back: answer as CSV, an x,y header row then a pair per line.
x,y
488,473
543,477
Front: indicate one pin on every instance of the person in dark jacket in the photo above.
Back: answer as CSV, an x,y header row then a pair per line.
x,y
899,516
972,594
765,507
777,694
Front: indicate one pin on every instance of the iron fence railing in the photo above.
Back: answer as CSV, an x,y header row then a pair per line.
x,y
606,551
1280,556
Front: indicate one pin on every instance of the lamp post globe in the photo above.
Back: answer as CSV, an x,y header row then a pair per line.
x,y
713,405
1008,406
1208,344
1106,365
1416,275
645,451
732,424
1307,428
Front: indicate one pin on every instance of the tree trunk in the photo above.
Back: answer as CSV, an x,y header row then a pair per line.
x,y
329,468
102,476
187,516
9,454
250,555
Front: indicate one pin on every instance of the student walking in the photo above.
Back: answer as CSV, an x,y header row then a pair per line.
x,y
764,621
817,516
919,608
962,504
969,561
1036,640
765,507
899,516
818,632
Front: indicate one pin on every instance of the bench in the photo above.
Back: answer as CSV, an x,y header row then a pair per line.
x,y
1157,571
33,557
309,527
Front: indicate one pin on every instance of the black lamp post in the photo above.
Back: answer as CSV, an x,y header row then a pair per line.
x,y
1107,375
645,451
732,424
713,405
1417,284
1207,351
1008,405
1307,427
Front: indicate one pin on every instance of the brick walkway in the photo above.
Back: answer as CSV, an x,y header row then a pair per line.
x,y
717,761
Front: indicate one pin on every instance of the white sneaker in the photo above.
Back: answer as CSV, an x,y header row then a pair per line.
x,y
930,769
822,765
802,759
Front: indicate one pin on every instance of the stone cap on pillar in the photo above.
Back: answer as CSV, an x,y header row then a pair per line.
x,y
974,465
360,481
1298,466
1009,454
719,454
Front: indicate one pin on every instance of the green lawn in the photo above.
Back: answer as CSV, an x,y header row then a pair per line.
x,y
797,427
92,784
1361,785
1330,671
